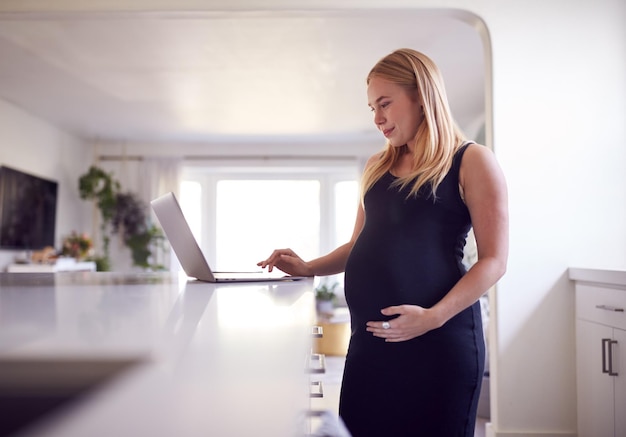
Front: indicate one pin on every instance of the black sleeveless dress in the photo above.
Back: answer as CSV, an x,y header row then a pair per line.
x,y
410,252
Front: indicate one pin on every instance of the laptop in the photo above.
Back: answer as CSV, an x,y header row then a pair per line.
x,y
188,252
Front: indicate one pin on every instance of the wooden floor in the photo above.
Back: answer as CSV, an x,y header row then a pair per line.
x,y
331,382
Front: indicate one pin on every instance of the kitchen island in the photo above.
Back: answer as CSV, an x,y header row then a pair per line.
x,y
153,354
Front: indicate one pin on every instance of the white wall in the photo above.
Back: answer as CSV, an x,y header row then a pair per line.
x,y
559,101
32,145
559,110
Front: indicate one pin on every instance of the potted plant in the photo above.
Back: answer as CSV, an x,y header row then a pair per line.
x,y
121,213
325,298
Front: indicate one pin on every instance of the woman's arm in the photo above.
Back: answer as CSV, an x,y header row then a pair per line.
x,y
486,198
334,262
485,192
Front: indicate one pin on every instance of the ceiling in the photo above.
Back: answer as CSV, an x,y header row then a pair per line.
x,y
224,77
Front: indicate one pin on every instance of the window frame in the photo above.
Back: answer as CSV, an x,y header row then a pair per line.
x,y
328,174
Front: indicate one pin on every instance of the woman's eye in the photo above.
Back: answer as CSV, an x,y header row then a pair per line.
x,y
382,105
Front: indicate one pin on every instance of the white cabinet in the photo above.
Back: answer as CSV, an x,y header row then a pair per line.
x,y
597,389
600,352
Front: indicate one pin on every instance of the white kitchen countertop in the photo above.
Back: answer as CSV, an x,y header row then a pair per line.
x,y
196,359
598,276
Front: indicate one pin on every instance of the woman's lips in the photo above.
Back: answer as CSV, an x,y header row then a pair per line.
x,y
386,132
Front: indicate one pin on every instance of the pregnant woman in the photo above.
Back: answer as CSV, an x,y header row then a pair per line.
x,y
416,356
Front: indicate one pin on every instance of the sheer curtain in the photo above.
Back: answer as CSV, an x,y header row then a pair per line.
x,y
158,176
147,178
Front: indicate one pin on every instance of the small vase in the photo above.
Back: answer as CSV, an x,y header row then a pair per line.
x,y
325,306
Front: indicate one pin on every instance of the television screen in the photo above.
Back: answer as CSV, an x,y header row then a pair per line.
x,y
27,210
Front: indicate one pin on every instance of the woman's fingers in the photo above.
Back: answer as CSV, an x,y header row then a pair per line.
x,y
411,321
270,261
279,258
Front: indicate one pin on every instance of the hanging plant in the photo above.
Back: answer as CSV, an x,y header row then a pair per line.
x,y
121,213
100,186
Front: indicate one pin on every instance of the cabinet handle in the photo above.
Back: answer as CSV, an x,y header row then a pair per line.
x,y
607,356
317,332
317,363
610,347
610,308
316,390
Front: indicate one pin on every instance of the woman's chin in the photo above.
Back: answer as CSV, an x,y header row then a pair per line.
x,y
396,144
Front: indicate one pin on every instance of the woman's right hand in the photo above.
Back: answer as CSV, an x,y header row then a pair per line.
x,y
287,261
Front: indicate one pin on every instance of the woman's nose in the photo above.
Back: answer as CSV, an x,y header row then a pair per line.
x,y
378,118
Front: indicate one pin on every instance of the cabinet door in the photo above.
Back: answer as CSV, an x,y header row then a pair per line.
x,y
619,366
594,388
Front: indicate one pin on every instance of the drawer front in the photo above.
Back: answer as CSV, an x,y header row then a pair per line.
x,y
601,305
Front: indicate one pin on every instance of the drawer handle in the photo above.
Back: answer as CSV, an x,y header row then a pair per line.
x,y
316,391
318,332
607,356
317,363
610,308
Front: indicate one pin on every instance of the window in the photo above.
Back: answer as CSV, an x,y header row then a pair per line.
x,y
253,217
240,217
346,202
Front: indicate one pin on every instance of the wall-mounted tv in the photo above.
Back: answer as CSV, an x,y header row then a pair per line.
x,y
28,206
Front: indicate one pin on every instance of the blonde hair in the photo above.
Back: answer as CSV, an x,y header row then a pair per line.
x,y
438,136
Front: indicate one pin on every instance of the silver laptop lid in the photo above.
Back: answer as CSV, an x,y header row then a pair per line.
x,y
186,248
178,232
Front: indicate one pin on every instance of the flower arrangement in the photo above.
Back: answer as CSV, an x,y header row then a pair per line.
x,y
77,245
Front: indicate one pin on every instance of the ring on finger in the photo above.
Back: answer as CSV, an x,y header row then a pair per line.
x,y
386,325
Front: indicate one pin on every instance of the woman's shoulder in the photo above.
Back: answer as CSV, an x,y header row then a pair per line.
x,y
478,160
476,153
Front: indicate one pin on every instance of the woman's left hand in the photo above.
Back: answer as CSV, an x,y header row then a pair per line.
x,y
411,321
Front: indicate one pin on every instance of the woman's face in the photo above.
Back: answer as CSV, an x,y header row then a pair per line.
x,y
397,112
